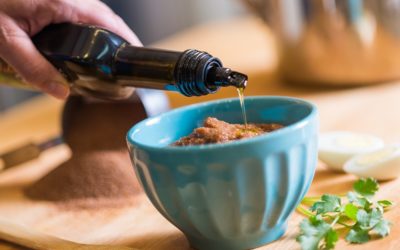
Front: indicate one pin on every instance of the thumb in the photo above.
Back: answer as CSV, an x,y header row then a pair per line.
x,y
19,52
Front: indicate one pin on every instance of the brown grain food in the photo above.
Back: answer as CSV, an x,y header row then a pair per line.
x,y
216,131
99,172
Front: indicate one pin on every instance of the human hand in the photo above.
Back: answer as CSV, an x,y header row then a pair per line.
x,y
22,19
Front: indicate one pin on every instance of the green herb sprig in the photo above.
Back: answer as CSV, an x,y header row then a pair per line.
x,y
359,217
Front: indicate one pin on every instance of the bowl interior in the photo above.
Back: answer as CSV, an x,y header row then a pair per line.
x,y
162,130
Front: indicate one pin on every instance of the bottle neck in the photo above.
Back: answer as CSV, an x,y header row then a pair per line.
x,y
192,72
145,67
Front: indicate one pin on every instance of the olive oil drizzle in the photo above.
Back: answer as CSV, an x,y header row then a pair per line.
x,y
243,107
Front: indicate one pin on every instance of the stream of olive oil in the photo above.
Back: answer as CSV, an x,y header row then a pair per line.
x,y
243,107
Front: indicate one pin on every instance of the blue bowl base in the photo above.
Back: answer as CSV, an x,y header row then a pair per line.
x,y
238,243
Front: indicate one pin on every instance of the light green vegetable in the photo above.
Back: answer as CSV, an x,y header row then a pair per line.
x,y
359,215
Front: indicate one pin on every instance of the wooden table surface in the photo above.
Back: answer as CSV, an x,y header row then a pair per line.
x,y
246,45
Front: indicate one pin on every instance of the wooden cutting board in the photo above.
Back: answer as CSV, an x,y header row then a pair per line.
x,y
134,225
373,109
370,109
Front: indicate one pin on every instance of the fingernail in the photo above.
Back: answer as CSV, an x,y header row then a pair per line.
x,y
58,90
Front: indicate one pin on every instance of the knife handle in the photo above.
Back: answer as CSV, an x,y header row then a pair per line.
x,y
27,152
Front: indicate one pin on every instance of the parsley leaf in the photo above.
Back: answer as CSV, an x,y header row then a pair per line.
x,y
368,220
375,216
385,203
359,200
331,237
366,187
351,211
328,203
382,228
357,235
363,218
312,231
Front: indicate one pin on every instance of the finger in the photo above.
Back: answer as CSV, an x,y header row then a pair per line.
x,y
18,51
96,13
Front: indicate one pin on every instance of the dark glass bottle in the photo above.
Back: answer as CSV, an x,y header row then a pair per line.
x,y
101,64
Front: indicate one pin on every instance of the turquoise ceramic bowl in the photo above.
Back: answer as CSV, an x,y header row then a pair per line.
x,y
236,195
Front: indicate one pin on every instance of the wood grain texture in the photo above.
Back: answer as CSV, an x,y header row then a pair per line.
x,y
373,109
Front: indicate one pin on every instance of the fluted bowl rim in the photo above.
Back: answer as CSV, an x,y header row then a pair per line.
x,y
130,137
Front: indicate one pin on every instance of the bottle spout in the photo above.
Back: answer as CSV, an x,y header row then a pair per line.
x,y
238,79
223,77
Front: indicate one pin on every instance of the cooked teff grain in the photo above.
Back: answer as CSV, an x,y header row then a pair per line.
x,y
216,131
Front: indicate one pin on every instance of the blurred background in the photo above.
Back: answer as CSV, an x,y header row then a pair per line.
x,y
152,20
